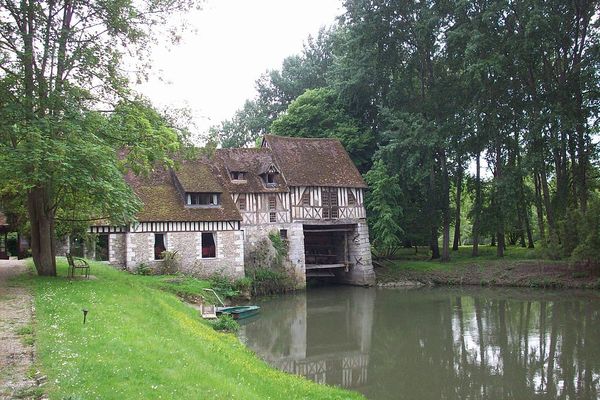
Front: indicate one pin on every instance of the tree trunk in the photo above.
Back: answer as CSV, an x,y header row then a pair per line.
x,y
539,207
445,209
459,178
433,239
41,218
477,217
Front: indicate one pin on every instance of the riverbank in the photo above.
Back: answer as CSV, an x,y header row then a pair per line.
x,y
519,268
140,341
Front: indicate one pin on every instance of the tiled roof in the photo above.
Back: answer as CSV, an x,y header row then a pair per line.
x,y
254,163
163,202
314,162
197,176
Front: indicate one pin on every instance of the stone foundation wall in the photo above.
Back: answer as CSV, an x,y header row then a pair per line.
x,y
253,234
359,252
229,260
117,249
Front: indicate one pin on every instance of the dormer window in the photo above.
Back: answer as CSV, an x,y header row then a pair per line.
x,y
202,199
270,179
238,176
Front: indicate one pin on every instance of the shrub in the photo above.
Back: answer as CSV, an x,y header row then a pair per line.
x,y
243,284
223,285
225,323
143,269
269,281
170,263
589,236
280,246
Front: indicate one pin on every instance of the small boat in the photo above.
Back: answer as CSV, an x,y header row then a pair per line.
x,y
239,312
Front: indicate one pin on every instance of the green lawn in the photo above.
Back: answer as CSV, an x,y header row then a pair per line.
x,y
142,342
408,259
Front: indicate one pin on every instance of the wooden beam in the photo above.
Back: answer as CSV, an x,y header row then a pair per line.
x,y
324,266
329,230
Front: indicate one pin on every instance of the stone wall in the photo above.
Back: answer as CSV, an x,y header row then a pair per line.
x,y
254,234
359,252
117,249
229,260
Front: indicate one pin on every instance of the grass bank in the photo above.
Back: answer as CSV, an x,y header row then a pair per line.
x,y
141,342
520,267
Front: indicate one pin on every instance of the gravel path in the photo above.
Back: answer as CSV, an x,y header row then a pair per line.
x,y
17,378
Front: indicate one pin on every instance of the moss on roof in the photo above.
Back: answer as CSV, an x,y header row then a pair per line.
x,y
314,162
198,176
163,202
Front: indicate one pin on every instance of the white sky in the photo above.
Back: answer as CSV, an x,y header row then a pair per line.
x,y
213,70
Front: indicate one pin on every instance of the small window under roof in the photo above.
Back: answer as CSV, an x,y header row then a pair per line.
x,y
238,175
202,199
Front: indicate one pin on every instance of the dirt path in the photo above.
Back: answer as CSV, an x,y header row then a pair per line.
x,y
17,378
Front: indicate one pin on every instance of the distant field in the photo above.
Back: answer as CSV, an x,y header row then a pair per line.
x,y
519,267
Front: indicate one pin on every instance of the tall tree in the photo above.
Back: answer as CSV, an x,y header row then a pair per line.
x,y
63,66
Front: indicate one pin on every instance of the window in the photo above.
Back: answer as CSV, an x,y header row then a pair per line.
x,y
203,199
159,246
329,201
272,208
283,234
209,250
351,198
270,179
101,248
238,176
241,202
306,199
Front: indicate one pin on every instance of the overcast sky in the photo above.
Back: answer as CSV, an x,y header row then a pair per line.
x,y
213,70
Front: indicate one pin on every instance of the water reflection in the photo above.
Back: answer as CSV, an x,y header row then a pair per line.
x,y
436,344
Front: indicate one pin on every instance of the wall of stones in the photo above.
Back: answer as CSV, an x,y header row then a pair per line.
x,y
254,234
117,249
229,260
359,251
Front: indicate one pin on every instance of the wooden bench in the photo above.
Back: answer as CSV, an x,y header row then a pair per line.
x,y
77,263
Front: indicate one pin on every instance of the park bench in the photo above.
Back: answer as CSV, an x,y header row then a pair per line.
x,y
77,263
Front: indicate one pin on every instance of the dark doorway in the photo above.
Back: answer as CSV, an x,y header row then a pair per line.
x,y
326,248
102,248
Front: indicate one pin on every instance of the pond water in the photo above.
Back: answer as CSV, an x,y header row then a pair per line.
x,y
439,343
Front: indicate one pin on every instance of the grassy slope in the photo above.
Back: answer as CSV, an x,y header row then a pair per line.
x,y
140,342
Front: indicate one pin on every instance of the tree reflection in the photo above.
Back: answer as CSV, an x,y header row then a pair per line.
x,y
437,344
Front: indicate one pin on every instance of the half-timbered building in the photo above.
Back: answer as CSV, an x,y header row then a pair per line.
x,y
213,211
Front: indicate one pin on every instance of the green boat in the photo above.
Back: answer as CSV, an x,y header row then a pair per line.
x,y
239,312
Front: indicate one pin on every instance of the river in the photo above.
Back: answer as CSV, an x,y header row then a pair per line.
x,y
432,344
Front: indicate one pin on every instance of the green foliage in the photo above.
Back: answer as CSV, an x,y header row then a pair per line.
x,y
223,285
266,281
170,263
383,204
70,125
588,249
281,247
318,113
143,269
225,323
